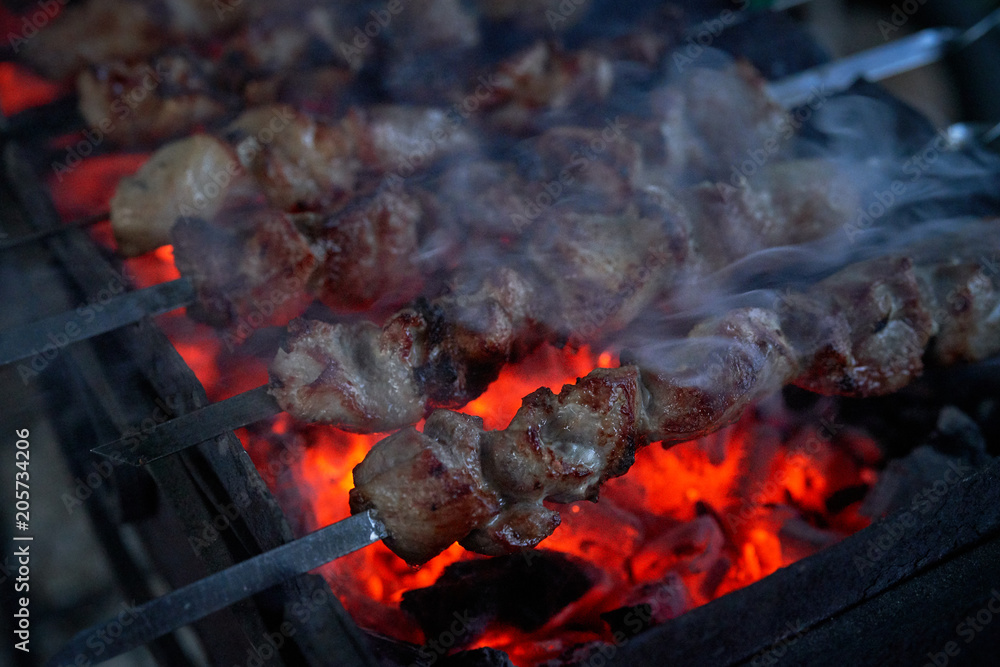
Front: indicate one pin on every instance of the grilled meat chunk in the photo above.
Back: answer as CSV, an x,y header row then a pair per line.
x,y
258,268
859,332
196,176
437,354
143,104
428,486
369,252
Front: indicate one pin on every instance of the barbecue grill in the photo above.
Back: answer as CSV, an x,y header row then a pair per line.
x,y
910,588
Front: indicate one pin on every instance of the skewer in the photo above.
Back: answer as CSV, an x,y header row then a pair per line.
x,y
881,62
222,589
80,223
177,434
66,328
162,441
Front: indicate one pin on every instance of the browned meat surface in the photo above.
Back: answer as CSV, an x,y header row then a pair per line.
x,y
427,484
602,270
94,32
299,162
197,176
437,354
864,333
258,267
303,163
357,376
102,31
146,103
860,332
590,274
703,141
368,252
544,77
705,381
788,204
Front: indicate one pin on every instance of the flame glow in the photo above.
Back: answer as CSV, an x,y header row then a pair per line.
x,y
715,514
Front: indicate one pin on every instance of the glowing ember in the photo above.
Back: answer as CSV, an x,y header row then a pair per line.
x,y
711,512
23,90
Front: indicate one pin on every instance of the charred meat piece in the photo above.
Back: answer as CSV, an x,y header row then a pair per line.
x,y
859,332
368,252
141,104
864,333
102,31
301,164
543,78
305,164
428,486
586,275
197,177
704,382
437,354
603,269
258,268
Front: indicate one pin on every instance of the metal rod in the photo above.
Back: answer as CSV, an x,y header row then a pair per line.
x,y
881,62
6,244
192,428
40,337
195,601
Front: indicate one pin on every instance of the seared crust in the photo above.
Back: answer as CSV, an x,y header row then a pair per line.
x,y
427,486
859,332
864,333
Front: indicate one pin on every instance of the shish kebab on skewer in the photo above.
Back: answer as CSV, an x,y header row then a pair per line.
x,y
315,165
185,295
372,529
862,331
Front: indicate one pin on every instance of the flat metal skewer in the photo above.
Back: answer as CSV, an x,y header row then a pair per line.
x,y
8,243
34,338
881,62
192,428
175,435
220,590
